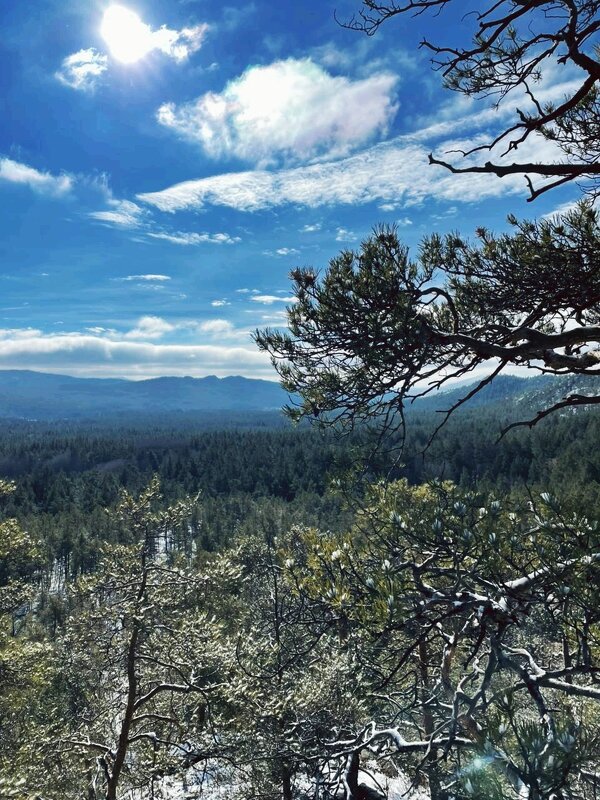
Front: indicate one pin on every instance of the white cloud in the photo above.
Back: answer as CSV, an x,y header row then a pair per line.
x,y
311,228
104,355
42,182
282,251
218,327
148,277
396,171
99,329
19,333
125,214
269,299
187,239
562,209
150,328
290,108
395,174
332,56
277,317
179,44
404,222
343,235
220,303
83,70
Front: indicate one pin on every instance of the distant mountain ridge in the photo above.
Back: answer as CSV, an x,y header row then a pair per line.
x,y
536,392
25,394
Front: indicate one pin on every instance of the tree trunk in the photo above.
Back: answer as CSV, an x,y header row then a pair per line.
x,y
354,790
286,782
113,783
351,776
428,722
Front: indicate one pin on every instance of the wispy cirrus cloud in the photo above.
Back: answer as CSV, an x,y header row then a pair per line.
x,y
123,214
269,299
290,109
129,215
396,171
83,70
187,239
564,208
279,318
465,113
41,182
150,277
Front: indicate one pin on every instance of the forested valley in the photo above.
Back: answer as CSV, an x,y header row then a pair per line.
x,y
193,612
66,475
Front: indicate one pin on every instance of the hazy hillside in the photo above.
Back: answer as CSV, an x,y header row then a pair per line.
x,y
520,393
34,395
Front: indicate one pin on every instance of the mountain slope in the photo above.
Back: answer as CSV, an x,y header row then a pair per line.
x,y
523,394
36,395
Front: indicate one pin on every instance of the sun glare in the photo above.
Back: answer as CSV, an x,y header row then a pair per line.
x,y
127,37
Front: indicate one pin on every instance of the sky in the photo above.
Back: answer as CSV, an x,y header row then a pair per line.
x,y
164,164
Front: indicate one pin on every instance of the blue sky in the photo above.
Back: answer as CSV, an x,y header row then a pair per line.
x,y
164,164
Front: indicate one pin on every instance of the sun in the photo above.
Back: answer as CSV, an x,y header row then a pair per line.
x,y
127,37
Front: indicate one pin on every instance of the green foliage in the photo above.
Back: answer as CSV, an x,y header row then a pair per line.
x,y
299,652
26,668
475,624
286,690
377,330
